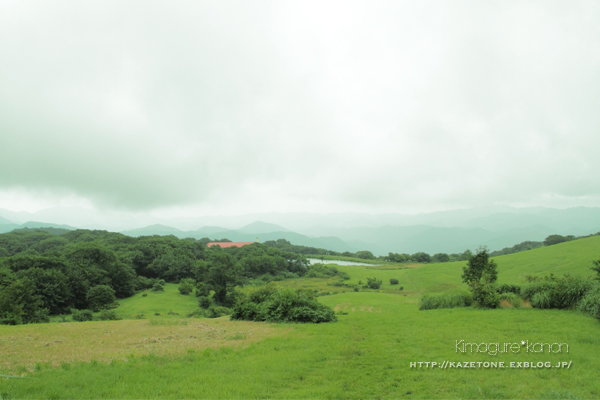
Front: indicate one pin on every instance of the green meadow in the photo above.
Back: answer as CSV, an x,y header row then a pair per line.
x,y
367,353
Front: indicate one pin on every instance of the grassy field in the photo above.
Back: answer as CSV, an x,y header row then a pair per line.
x,y
366,354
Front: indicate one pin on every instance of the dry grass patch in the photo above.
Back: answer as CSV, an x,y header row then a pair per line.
x,y
23,346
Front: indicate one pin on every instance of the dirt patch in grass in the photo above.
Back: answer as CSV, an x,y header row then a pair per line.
x,y
23,346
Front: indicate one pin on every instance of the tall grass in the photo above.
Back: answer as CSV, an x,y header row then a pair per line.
x,y
452,299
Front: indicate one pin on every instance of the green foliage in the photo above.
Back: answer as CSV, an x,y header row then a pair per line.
x,y
321,271
512,298
223,274
394,281
282,305
478,266
590,302
82,315
484,294
554,292
101,297
204,302
186,286
452,299
508,288
365,255
440,258
216,312
556,239
109,315
596,268
374,283
421,257
399,258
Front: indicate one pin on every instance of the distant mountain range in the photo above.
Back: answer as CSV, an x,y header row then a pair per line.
x,y
446,231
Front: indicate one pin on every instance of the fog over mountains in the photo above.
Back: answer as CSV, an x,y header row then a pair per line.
x,y
446,231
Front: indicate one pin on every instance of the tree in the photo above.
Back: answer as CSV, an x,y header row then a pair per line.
x,y
480,265
421,257
224,273
480,273
101,297
365,255
440,257
554,239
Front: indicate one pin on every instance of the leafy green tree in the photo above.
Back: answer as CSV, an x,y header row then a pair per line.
x,y
440,258
554,239
365,255
101,297
480,273
479,265
224,273
19,302
421,257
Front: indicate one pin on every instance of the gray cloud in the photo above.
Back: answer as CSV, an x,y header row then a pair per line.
x,y
301,106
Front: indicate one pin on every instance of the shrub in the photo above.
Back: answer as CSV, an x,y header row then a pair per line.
x,y
374,283
590,303
101,297
552,292
452,299
186,286
401,288
82,315
109,315
394,281
204,302
507,288
157,287
542,299
202,289
511,298
216,312
282,305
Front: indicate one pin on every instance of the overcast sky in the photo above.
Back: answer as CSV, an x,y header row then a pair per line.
x,y
230,107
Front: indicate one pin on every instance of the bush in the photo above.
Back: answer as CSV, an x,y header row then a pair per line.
x,y
452,299
157,287
401,288
542,300
282,305
216,312
82,315
101,297
590,303
109,315
507,288
394,281
202,289
374,283
204,302
186,286
552,292
511,298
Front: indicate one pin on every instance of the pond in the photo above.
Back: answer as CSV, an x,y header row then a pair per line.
x,y
338,262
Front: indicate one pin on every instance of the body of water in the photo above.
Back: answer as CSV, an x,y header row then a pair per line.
x,y
338,262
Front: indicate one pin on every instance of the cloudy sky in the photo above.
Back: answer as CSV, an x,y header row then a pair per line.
x,y
230,107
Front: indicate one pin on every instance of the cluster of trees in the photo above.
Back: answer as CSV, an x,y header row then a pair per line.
x,y
424,258
43,274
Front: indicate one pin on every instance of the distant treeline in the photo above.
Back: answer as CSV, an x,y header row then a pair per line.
x,y
42,273
421,257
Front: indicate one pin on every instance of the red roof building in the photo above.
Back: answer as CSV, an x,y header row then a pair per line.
x,y
228,244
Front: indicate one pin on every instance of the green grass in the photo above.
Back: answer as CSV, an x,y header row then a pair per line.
x,y
366,354
163,303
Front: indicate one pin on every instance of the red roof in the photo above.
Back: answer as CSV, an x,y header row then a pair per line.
x,y
228,244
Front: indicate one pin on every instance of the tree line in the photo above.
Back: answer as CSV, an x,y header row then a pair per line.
x,y
44,274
